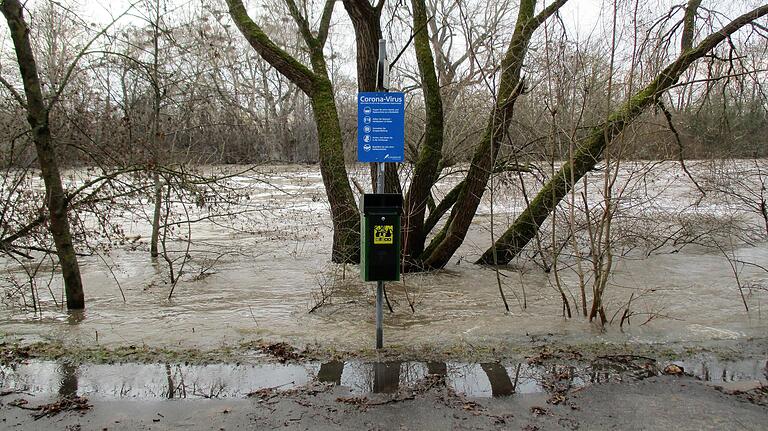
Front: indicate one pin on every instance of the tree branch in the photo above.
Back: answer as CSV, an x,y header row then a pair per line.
x,y
274,55
527,224
443,207
547,12
689,21
83,51
24,231
301,21
325,22
13,92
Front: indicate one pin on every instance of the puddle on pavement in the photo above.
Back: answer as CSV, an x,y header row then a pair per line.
x,y
173,381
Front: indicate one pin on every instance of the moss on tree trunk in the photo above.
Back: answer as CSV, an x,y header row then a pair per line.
x,y
316,84
425,171
511,86
524,229
37,116
344,212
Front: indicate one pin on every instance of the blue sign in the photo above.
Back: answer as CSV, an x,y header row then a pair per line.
x,y
380,127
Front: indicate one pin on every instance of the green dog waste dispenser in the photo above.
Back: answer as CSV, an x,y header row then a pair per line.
x,y
380,236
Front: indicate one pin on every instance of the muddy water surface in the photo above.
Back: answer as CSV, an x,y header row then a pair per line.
x,y
266,278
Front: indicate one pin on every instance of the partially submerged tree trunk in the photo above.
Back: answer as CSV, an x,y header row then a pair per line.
x,y
316,84
447,241
589,154
154,137
346,217
157,206
366,21
38,118
426,170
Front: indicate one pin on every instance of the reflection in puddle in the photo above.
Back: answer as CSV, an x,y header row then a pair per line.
x,y
501,384
386,377
154,381
68,383
330,372
727,371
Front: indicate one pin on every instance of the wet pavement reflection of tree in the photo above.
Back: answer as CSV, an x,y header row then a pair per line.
x,y
386,377
68,380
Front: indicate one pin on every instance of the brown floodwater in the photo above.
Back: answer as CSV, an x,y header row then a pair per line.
x,y
269,275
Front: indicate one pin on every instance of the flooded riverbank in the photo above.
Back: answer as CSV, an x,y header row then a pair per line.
x,y
261,282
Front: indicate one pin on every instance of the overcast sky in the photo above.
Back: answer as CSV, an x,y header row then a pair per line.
x,y
582,17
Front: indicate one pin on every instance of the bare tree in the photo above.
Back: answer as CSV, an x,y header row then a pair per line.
x,y
448,240
426,169
38,112
590,152
315,83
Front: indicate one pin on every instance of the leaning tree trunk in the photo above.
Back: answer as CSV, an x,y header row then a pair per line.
x,y
37,116
317,86
425,171
588,155
447,241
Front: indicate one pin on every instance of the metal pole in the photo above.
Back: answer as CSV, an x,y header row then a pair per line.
x,y
380,284
381,85
379,314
